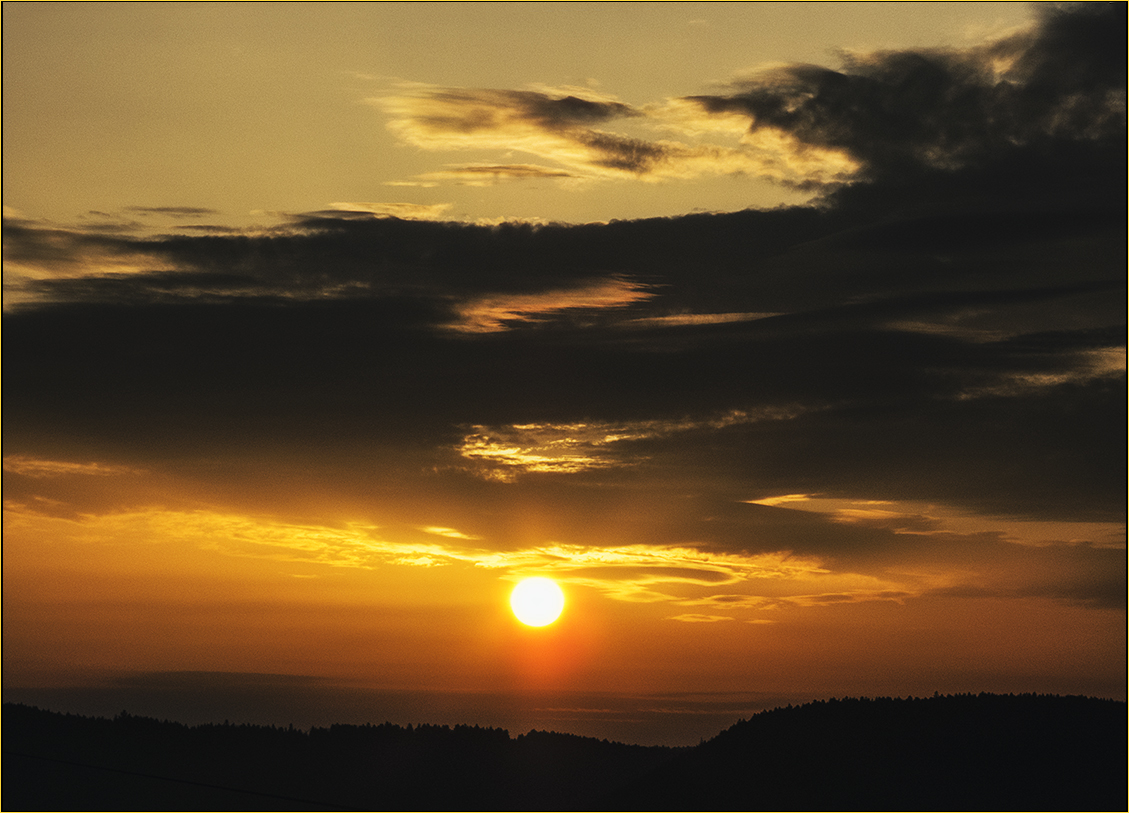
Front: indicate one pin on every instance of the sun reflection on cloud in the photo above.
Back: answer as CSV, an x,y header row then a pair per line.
x,y
503,452
916,518
1088,365
781,500
698,618
945,550
765,151
679,319
536,448
450,533
635,573
638,573
490,314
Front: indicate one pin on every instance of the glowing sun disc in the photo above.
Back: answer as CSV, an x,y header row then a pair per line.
x,y
537,601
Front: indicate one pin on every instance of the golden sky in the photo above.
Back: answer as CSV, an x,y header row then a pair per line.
x,y
788,338
140,112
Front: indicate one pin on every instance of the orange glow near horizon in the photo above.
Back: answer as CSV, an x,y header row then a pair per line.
x,y
214,583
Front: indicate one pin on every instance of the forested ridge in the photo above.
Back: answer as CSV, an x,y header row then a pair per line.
x,y
945,752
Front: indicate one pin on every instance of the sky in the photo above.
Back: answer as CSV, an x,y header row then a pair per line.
x,y
789,339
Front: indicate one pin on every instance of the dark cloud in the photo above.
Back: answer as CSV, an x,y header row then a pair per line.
x,y
497,171
52,249
907,111
911,376
209,228
568,110
628,154
172,211
468,110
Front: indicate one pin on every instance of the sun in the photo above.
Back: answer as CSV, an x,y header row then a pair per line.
x,y
537,601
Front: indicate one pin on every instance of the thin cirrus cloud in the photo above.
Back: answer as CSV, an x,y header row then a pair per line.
x,y
35,467
563,129
415,211
700,618
530,121
485,174
172,211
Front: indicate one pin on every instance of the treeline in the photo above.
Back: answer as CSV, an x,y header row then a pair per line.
x,y
945,752
58,761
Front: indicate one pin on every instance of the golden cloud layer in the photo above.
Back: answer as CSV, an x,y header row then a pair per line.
x,y
503,452
634,573
489,314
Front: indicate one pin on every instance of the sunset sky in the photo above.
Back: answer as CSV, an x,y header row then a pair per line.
x,y
789,339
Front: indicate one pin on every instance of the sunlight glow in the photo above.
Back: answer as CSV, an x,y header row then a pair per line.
x,y
567,448
537,601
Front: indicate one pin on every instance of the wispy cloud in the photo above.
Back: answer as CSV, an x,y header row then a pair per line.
x,y
503,452
486,174
713,585
492,313
783,499
559,127
698,618
676,319
563,129
416,211
173,211
36,467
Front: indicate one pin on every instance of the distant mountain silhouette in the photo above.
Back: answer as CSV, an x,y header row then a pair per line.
x,y
1034,752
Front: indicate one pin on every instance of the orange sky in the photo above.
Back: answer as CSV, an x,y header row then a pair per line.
x,y
299,388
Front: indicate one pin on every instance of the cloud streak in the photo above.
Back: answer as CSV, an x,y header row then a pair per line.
x,y
569,130
917,554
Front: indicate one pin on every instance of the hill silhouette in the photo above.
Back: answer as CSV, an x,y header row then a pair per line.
x,y
946,752
954,752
